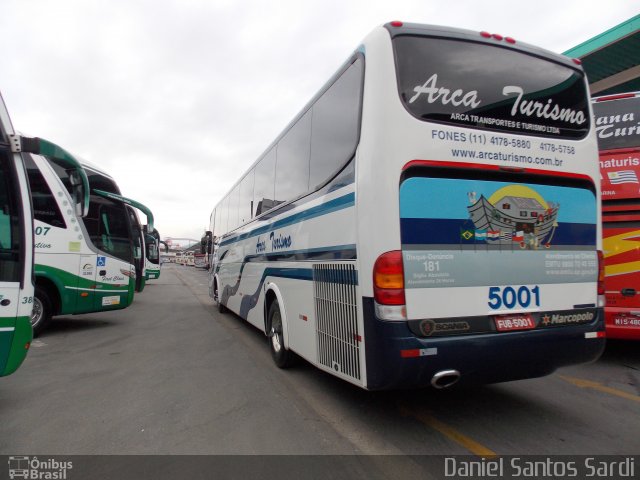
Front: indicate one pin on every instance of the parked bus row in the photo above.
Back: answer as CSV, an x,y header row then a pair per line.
x,y
190,258
70,243
431,216
85,261
184,258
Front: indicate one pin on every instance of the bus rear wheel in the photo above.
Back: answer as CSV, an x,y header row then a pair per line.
x,y
42,311
216,299
282,357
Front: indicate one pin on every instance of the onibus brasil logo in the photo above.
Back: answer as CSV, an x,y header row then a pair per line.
x,y
37,469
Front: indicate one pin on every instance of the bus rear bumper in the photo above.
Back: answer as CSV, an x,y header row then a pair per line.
x,y
396,358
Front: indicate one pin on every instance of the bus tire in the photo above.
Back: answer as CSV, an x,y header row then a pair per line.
x,y
282,357
216,299
42,311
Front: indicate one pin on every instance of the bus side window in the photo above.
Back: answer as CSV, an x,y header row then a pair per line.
x,y
292,167
263,193
336,125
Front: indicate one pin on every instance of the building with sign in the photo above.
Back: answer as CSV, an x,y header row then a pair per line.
x,y
612,59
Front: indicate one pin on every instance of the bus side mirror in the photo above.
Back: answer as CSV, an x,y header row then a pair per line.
x,y
80,197
206,241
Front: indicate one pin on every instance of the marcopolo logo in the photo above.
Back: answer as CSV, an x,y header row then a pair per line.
x,y
564,319
87,270
38,469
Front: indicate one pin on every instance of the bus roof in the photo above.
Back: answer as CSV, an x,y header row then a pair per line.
x,y
495,39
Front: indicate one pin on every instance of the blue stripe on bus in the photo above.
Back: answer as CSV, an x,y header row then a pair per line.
x,y
291,273
338,252
346,277
334,205
436,231
249,302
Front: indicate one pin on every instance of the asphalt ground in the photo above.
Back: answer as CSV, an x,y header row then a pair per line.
x,y
171,375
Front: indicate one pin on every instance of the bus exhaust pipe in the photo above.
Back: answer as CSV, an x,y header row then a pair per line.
x,y
445,379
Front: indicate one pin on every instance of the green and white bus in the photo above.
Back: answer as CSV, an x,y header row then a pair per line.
x,y
152,252
16,251
89,258
139,237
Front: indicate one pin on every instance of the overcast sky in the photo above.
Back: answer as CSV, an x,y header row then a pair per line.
x,y
177,98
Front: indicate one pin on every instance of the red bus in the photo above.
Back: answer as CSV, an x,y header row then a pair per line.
x,y
618,128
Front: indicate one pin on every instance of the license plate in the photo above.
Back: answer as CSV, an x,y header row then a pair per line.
x,y
507,323
623,321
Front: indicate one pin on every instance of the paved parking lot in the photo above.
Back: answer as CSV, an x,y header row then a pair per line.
x,y
171,375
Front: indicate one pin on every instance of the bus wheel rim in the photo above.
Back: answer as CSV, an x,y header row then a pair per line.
x,y
36,313
276,340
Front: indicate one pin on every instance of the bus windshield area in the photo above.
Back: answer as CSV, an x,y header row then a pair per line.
x,y
489,87
9,233
152,243
108,227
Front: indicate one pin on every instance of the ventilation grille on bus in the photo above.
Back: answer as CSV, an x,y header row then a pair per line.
x,y
336,317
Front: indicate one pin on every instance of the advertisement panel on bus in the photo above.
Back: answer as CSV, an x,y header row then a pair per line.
x,y
618,128
620,175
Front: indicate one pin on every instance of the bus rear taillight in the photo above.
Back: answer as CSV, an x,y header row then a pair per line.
x,y
600,273
388,286
497,36
619,96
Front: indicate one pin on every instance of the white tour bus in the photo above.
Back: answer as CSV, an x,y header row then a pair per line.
x,y
87,259
16,251
431,216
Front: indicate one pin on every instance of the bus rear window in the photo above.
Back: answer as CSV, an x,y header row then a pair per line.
x,y
491,88
496,232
